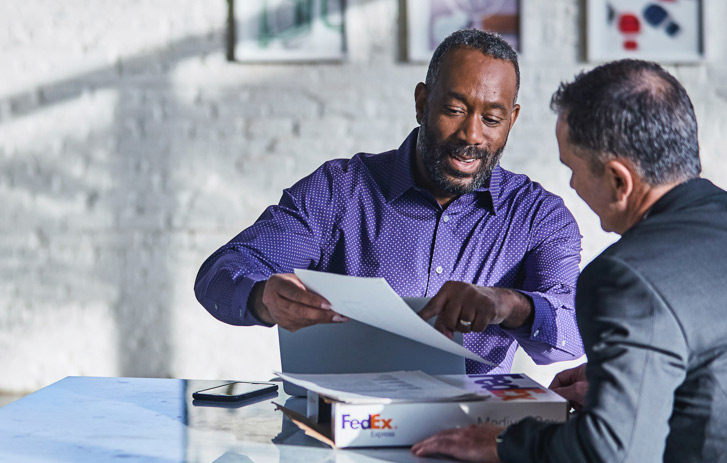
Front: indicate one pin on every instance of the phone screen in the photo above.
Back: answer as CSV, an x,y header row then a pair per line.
x,y
235,391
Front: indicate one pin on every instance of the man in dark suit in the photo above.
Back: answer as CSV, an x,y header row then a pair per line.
x,y
651,308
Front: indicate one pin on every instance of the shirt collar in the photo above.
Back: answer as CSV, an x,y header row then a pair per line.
x,y
402,173
493,187
402,178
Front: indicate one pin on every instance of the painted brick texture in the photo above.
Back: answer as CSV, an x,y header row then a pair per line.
x,y
130,150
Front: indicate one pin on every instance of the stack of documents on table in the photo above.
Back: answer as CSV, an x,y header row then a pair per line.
x,y
404,407
382,388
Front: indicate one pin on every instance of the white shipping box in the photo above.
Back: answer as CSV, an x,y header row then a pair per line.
x,y
511,398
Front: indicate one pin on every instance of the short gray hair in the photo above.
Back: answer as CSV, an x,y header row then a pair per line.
x,y
488,43
634,110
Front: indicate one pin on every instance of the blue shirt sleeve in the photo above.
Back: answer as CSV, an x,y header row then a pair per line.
x,y
551,271
285,237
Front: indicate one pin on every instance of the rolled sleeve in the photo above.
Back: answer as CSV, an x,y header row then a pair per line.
x,y
224,296
553,335
550,274
243,290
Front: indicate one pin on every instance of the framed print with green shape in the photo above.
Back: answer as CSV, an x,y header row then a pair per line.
x,y
286,30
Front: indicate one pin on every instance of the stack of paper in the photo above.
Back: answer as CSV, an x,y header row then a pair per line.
x,y
383,388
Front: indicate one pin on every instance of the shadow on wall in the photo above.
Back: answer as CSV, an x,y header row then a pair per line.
x,y
104,197
104,171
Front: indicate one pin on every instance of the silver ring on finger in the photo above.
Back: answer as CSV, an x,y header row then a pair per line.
x,y
465,323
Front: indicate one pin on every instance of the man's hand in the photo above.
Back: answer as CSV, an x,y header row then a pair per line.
x,y
572,385
285,301
466,307
474,443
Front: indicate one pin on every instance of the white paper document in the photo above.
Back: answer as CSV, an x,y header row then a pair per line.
x,y
374,302
382,388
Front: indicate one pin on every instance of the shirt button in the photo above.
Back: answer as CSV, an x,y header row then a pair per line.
x,y
537,332
445,218
439,270
563,343
216,308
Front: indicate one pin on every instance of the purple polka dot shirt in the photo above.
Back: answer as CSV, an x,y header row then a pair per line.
x,y
364,216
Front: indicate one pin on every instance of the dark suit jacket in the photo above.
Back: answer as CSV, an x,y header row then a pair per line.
x,y
652,310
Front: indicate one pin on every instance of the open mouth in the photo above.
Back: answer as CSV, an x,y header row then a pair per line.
x,y
463,164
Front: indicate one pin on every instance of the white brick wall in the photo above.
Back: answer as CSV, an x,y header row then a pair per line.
x,y
130,150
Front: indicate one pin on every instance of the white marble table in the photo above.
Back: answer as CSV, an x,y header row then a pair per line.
x,y
86,419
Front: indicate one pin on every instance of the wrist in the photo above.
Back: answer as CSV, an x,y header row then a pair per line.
x,y
520,309
255,305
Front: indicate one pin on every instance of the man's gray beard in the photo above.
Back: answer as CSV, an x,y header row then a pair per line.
x,y
434,156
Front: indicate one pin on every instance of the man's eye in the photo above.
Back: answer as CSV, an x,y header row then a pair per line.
x,y
490,121
453,110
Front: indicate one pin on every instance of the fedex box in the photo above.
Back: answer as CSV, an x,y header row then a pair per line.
x,y
507,399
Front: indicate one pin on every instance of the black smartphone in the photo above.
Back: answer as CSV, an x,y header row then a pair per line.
x,y
234,392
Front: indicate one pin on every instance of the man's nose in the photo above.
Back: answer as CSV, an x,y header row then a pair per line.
x,y
471,131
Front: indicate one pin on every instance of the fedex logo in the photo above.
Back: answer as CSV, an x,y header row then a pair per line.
x,y
494,383
509,387
372,422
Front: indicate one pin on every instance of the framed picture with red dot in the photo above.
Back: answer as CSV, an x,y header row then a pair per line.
x,y
667,31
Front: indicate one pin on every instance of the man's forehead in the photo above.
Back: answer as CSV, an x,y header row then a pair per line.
x,y
462,56
472,67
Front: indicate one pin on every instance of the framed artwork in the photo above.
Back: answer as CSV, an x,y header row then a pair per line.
x,y
286,30
430,21
658,30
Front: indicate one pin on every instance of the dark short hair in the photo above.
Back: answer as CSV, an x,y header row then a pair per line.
x,y
488,43
634,110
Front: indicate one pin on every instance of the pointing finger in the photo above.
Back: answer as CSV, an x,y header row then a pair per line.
x,y
432,308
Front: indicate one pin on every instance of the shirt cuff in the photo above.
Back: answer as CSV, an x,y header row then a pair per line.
x,y
539,326
243,291
553,334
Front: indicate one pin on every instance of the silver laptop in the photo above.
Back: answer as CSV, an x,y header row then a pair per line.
x,y
355,347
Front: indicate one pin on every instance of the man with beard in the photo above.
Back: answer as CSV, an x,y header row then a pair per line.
x,y
437,217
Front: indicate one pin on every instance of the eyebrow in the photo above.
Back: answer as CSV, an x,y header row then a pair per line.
x,y
463,99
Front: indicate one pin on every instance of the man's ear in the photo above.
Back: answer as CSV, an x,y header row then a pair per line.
x,y
420,100
514,114
621,180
